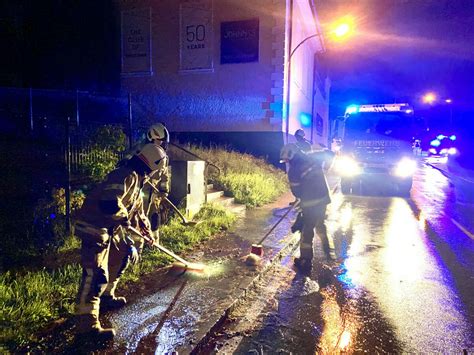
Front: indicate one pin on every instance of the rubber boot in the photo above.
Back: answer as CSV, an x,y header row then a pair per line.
x,y
109,302
88,327
303,264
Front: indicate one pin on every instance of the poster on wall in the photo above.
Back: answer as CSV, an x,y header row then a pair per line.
x,y
196,35
239,41
136,42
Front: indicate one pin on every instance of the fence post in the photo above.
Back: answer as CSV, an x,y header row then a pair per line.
x,y
130,121
68,176
31,110
77,108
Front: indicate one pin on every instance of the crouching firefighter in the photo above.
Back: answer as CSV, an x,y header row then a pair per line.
x,y
107,247
308,183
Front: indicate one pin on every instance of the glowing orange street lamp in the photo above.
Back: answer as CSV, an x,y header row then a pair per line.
x,y
342,30
429,98
339,31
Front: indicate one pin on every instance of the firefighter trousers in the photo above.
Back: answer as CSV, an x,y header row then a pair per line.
x,y
314,218
103,263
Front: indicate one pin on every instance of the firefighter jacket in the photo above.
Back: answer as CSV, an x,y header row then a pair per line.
x,y
307,179
112,203
158,185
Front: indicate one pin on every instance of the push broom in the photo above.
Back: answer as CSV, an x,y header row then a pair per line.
x,y
257,249
187,265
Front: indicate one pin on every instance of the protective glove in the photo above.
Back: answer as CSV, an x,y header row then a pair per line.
x,y
163,188
133,255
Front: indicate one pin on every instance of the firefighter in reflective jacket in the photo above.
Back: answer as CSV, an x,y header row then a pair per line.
x,y
308,183
158,135
107,246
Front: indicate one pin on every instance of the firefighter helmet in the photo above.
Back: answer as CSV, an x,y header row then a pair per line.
x,y
153,156
299,133
158,131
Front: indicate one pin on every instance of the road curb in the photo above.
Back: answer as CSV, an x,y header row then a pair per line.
x,y
290,247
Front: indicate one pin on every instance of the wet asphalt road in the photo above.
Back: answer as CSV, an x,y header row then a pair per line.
x,y
403,282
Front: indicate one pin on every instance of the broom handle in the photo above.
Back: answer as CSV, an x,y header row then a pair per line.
x,y
160,247
175,209
283,217
171,204
277,223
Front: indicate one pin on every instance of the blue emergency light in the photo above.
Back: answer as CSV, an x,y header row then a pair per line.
x,y
351,109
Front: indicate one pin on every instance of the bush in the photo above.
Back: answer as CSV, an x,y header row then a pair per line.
x,y
49,224
103,152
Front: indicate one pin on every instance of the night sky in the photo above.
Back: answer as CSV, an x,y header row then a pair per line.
x,y
402,49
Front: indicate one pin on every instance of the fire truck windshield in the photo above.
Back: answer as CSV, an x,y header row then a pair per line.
x,y
381,124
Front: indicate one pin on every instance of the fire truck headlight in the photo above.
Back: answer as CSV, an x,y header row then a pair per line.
x,y
347,166
405,167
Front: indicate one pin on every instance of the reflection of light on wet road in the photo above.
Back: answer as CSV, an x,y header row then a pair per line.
x,y
345,340
212,269
390,257
346,217
336,335
422,221
431,190
403,255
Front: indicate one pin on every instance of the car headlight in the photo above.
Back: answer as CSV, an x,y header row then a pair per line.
x,y
444,151
405,167
432,151
452,151
347,166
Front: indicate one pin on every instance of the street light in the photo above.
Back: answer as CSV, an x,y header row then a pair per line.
x,y
340,30
448,101
429,98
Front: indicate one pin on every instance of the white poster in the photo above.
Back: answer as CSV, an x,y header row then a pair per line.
x,y
196,35
136,42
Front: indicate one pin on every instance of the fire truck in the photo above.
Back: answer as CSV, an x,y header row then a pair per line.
x,y
375,143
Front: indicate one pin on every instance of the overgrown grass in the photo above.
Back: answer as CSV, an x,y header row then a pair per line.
x,y
30,300
252,181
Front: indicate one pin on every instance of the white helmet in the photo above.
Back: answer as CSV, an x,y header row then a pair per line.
x,y
153,156
289,151
158,131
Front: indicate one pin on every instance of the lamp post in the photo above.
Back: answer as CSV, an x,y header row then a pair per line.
x,y
449,102
339,31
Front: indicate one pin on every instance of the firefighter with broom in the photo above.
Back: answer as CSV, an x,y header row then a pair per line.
x,y
103,225
308,184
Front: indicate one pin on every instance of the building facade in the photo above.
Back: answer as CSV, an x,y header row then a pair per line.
x,y
219,70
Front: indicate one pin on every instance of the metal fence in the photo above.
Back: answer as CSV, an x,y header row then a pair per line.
x,y
56,124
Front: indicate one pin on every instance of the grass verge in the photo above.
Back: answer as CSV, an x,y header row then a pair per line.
x,y
250,180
